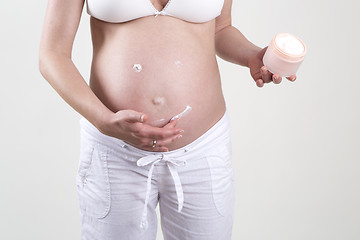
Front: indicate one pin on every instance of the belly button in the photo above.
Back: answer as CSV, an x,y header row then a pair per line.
x,y
158,101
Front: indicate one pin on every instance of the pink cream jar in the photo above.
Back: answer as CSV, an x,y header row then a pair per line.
x,y
284,54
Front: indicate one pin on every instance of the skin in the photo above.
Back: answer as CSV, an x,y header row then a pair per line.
x,y
119,101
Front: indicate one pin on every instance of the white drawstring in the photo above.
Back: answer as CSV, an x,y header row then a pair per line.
x,y
171,163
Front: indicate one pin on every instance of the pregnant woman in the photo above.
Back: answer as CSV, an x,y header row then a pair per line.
x,y
154,126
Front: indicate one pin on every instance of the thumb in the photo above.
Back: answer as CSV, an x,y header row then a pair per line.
x,y
134,116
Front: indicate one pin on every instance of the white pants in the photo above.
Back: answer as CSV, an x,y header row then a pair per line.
x,y
119,187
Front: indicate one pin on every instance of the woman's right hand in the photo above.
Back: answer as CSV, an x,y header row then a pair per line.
x,y
130,126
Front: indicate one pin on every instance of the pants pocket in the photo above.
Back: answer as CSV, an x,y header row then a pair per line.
x,y
222,180
93,184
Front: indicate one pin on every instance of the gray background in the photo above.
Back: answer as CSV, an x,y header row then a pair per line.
x,y
296,146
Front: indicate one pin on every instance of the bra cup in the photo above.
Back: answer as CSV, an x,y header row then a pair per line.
x,y
116,11
197,11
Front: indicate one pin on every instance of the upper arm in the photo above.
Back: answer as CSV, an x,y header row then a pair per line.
x,y
61,22
224,19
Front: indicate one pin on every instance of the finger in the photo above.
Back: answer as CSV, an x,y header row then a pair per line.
x,y
265,74
155,149
163,143
172,123
148,146
133,116
276,78
292,78
147,131
159,145
259,83
160,149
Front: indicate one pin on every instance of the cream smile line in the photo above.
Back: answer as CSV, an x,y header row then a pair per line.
x,y
183,113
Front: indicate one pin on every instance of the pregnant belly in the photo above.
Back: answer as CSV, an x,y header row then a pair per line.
x,y
162,85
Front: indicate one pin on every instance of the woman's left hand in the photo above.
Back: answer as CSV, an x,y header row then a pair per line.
x,y
261,74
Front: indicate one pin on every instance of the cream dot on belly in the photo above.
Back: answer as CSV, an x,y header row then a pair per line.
x,y
137,67
178,63
158,101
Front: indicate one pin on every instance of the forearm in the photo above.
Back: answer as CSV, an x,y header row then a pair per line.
x,y
232,46
64,77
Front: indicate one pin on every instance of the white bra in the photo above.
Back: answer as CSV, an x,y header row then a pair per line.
x,y
117,11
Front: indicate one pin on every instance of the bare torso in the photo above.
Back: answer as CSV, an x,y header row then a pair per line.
x,y
179,69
